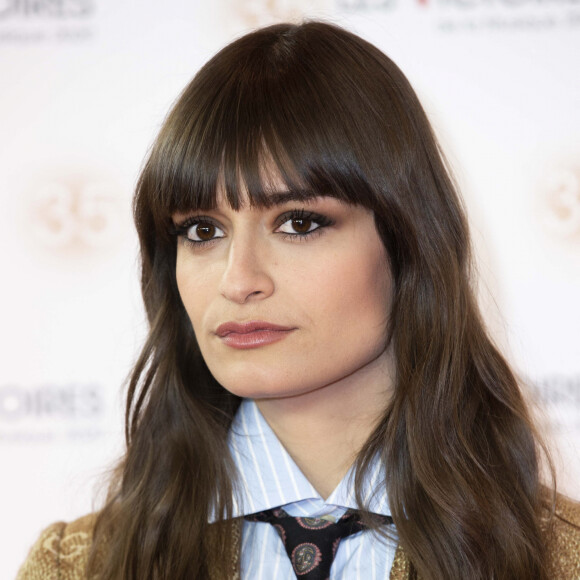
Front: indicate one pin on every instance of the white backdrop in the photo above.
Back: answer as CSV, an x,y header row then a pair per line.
x,y
85,85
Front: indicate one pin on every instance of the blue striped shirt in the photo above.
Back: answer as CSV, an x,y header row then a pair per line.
x,y
270,478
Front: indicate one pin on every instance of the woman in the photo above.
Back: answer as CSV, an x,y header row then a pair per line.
x,y
315,344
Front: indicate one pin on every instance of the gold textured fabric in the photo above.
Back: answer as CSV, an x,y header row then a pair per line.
x,y
564,541
61,552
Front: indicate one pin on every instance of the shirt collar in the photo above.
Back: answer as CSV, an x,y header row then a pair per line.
x,y
269,477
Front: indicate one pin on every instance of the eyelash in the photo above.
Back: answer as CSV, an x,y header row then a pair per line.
x,y
301,214
321,221
181,231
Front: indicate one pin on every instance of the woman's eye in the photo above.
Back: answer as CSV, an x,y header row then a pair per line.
x,y
299,226
204,232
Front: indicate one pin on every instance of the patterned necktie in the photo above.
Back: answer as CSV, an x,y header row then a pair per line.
x,y
311,543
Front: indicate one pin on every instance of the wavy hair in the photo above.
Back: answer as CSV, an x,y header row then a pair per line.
x,y
338,118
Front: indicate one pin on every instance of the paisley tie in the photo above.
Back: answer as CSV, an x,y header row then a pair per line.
x,y
311,543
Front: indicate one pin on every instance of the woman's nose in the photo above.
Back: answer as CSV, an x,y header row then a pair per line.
x,y
246,276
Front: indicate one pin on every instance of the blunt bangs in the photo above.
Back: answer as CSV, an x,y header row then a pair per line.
x,y
264,115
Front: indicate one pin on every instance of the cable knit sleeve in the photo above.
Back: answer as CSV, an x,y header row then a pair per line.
x,y
60,553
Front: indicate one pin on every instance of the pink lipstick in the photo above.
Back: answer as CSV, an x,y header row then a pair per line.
x,y
244,335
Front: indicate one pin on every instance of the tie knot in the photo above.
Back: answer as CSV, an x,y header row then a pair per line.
x,y
311,543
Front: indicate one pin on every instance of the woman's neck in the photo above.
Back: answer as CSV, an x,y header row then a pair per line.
x,y
324,430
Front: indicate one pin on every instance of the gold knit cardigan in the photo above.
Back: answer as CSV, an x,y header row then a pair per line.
x,y
61,552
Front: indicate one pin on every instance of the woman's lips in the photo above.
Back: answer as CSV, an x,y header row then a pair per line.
x,y
244,335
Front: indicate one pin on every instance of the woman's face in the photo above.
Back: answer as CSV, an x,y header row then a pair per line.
x,y
287,299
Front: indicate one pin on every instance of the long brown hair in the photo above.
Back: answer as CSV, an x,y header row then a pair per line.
x,y
336,117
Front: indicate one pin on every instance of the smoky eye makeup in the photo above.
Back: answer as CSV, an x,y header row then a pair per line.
x,y
302,214
301,223
197,230
296,225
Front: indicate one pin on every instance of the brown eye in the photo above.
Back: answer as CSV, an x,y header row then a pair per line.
x,y
301,226
204,232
